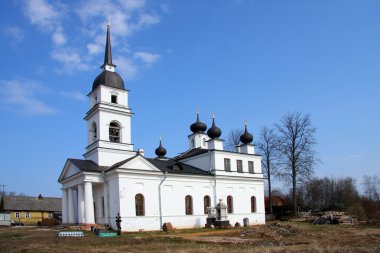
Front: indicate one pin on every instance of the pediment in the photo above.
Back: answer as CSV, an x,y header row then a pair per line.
x,y
68,170
139,163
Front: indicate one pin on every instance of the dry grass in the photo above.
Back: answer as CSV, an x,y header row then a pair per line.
x,y
280,237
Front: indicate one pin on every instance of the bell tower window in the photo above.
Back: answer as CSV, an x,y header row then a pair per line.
x,y
114,132
114,99
94,131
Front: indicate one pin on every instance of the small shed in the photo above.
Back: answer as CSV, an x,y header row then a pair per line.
x,y
5,218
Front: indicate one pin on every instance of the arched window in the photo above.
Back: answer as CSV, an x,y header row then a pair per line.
x,y
94,131
192,143
206,203
114,132
230,204
140,205
189,205
253,204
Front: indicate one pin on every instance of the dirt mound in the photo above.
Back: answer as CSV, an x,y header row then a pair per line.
x,y
272,230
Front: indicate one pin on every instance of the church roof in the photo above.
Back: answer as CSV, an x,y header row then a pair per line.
x,y
173,167
168,165
108,78
86,165
190,153
23,203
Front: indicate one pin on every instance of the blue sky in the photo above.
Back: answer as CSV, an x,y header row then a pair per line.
x,y
243,60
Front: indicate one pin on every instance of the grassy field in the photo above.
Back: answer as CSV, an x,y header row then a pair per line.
x,y
273,237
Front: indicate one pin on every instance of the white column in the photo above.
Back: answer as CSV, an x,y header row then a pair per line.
x,y
88,203
64,207
105,191
81,204
70,206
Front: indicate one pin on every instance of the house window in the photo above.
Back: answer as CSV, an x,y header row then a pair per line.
x,y
50,215
27,215
230,204
253,204
93,131
239,166
251,167
140,205
17,215
227,164
114,99
189,205
114,132
206,203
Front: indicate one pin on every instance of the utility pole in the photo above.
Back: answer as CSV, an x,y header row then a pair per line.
x,y
3,191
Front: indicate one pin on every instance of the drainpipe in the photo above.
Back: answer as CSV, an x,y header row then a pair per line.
x,y
159,198
212,164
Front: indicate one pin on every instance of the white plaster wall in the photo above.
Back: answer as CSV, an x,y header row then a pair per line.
x,y
106,92
108,157
113,198
198,140
219,162
123,120
173,192
201,161
130,185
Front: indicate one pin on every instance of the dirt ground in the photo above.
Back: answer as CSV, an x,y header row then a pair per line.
x,y
272,237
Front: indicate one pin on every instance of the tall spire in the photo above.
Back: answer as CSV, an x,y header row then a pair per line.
x,y
108,52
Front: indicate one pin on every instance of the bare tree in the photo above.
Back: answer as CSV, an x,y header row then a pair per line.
x,y
296,149
233,139
267,145
371,187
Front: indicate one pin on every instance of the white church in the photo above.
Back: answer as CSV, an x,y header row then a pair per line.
x,y
147,192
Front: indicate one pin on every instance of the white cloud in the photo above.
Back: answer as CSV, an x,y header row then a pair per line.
x,y
76,46
48,17
94,48
42,13
58,37
146,57
126,67
71,60
132,4
15,33
76,95
147,19
21,96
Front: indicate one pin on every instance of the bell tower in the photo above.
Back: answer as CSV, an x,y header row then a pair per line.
x,y
109,117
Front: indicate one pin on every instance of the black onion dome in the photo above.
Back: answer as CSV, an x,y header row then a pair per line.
x,y
108,78
214,131
246,137
198,126
160,151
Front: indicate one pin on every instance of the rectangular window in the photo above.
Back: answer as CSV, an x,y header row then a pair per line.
x,y
239,166
227,164
114,99
50,215
27,215
17,215
250,167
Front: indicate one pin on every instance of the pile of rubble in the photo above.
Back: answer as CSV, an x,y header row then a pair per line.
x,y
274,229
336,218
